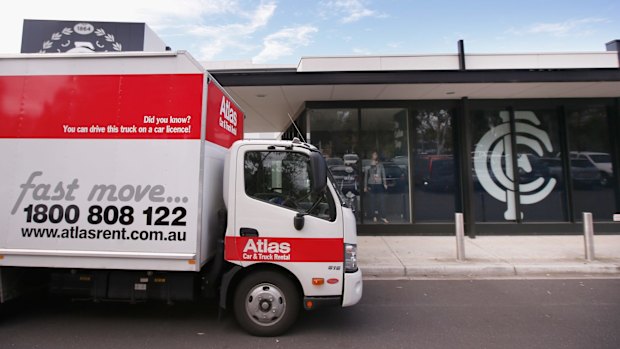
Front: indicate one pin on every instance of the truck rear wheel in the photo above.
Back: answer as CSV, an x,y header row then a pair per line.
x,y
266,303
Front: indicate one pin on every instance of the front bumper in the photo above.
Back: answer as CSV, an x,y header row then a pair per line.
x,y
353,287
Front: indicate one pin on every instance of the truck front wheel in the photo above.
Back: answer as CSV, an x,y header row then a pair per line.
x,y
266,303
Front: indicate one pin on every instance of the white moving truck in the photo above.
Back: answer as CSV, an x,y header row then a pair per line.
x,y
125,177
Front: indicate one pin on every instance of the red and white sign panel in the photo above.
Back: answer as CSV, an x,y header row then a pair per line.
x,y
106,163
166,106
224,118
284,249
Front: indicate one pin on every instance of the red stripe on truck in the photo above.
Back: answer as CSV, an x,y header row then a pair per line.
x,y
258,249
166,106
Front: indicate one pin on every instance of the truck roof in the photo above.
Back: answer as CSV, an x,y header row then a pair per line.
x,y
279,143
92,63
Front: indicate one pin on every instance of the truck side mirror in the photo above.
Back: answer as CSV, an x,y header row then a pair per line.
x,y
298,221
319,172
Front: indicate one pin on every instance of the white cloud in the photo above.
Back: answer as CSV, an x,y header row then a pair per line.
x,y
283,42
395,44
218,38
361,51
572,27
348,10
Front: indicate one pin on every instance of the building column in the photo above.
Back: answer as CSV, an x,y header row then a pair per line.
x,y
613,118
463,129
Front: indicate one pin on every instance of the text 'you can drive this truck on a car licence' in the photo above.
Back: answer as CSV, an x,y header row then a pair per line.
x,y
125,177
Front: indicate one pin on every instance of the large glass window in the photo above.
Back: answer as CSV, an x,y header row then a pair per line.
x,y
335,133
591,166
434,169
542,191
283,178
384,160
367,154
519,169
535,165
489,133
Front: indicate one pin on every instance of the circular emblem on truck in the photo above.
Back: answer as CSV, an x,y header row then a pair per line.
x,y
82,38
493,162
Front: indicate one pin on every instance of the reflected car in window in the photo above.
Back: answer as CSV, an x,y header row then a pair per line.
x,y
401,161
440,176
602,161
583,173
395,177
334,162
538,168
346,179
350,159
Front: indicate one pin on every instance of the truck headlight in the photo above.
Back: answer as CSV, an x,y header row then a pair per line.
x,y
350,258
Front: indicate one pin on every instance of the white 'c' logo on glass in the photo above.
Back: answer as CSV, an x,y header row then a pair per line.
x,y
495,145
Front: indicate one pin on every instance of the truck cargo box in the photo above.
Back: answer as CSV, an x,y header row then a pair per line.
x,y
111,161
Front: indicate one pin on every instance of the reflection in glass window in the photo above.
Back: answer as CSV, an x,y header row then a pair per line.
x,y
541,194
434,170
384,164
541,186
489,165
283,178
591,167
335,133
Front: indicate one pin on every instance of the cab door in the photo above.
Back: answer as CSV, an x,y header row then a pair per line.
x,y
273,185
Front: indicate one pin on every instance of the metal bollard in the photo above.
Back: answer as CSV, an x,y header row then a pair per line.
x,y
460,236
588,236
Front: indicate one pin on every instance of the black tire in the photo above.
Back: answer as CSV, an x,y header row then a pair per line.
x,y
279,309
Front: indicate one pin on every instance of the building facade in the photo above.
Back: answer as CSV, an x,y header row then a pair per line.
x,y
519,143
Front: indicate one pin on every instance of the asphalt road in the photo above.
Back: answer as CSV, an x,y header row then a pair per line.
x,y
392,314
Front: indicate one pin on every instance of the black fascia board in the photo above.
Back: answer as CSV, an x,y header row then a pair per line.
x,y
283,78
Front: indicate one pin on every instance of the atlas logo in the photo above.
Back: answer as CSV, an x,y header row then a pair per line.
x,y
265,246
227,111
229,114
493,161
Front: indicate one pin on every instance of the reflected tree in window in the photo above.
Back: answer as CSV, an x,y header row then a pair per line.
x,y
435,132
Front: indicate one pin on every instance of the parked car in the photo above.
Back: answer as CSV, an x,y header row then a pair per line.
x,y
539,169
440,176
395,177
334,162
425,165
346,179
402,161
602,161
351,159
583,173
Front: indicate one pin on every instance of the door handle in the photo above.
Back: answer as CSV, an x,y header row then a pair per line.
x,y
248,232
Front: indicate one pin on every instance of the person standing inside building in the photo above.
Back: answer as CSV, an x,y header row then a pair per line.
x,y
375,185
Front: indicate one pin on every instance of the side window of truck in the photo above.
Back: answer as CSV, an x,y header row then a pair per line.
x,y
283,178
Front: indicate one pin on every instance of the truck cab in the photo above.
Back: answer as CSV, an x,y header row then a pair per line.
x,y
289,235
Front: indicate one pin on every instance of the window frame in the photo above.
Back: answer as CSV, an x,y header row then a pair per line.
x,y
327,195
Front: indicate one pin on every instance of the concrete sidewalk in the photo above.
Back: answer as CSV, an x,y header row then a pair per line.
x,y
383,257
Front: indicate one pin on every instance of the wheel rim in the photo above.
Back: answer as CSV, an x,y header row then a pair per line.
x,y
265,304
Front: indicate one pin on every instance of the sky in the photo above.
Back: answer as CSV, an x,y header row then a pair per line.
x,y
283,31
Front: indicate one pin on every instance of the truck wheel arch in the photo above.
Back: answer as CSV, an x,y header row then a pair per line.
x,y
233,276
